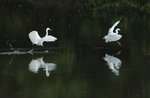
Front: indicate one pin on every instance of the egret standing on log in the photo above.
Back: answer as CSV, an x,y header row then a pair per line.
x,y
36,39
113,36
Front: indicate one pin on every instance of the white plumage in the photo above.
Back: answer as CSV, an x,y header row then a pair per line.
x,y
38,63
114,63
113,36
34,66
36,39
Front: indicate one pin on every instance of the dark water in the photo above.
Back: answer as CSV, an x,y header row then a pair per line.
x,y
77,68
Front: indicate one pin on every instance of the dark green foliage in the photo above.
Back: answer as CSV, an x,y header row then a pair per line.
x,y
123,7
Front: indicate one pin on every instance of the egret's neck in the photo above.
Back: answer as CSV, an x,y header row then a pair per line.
x,y
116,31
47,31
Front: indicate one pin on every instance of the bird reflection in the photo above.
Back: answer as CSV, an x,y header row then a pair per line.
x,y
113,63
38,63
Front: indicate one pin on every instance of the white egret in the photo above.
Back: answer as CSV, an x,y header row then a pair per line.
x,y
38,63
36,39
113,63
113,36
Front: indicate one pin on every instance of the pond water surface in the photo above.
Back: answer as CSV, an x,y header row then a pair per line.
x,y
79,64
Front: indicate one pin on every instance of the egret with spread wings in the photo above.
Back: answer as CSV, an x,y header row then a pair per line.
x,y
36,39
113,36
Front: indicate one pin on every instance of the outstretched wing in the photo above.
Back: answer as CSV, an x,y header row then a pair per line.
x,y
34,37
112,28
49,38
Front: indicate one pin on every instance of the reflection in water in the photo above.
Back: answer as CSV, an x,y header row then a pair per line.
x,y
11,60
114,63
75,78
35,64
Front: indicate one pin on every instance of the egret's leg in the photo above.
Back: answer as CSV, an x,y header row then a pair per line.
x,y
119,52
31,51
46,70
119,43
